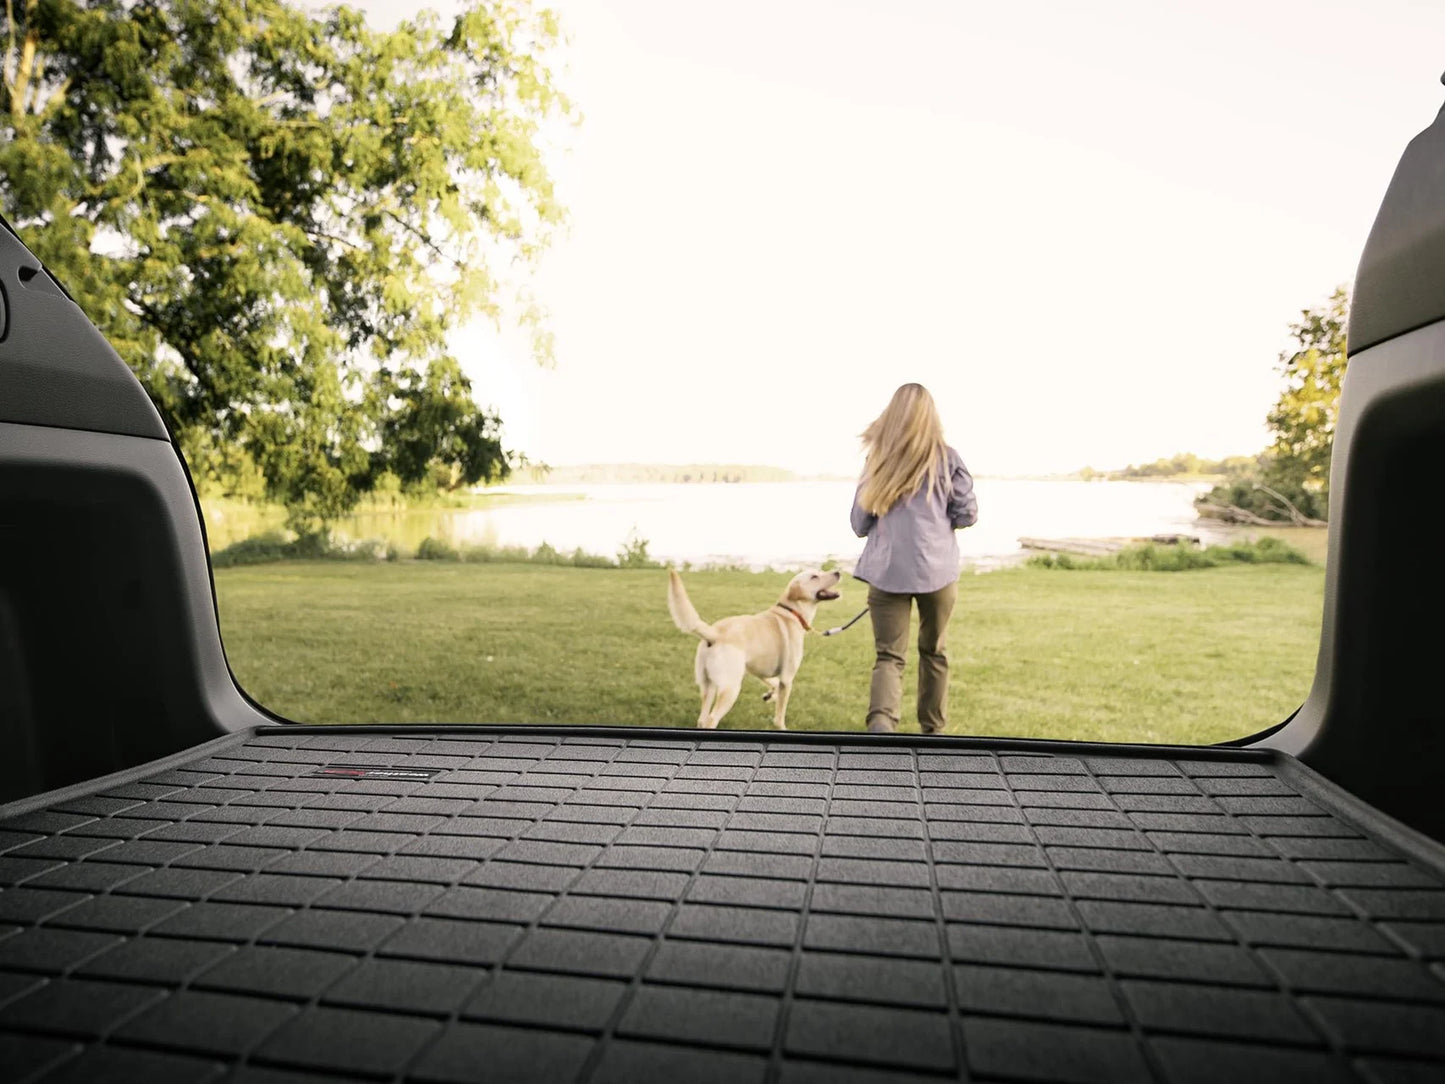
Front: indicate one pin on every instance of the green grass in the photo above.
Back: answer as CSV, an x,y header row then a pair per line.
x,y
1179,557
1199,657
1313,542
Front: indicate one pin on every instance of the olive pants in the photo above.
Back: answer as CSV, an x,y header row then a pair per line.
x,y
890,614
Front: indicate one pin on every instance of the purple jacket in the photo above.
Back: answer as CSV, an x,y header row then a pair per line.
x,y
911,549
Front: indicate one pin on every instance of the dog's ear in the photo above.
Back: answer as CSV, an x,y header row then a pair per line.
x,y
796,592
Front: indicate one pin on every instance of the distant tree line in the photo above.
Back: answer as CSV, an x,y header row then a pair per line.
x,y
1185,464
656,473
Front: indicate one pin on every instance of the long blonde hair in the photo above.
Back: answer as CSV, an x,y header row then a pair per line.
x,y
904,449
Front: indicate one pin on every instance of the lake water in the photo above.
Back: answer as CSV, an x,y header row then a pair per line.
x,y
787,524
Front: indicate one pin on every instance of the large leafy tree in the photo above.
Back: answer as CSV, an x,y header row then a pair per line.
x,y
276,215
1303,421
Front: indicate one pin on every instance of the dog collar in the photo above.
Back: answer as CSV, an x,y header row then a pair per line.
x,y
801,619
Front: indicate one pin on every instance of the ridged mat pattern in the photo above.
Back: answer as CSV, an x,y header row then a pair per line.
x,y
597,909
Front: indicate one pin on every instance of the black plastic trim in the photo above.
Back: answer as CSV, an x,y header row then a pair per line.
x,y
1400,283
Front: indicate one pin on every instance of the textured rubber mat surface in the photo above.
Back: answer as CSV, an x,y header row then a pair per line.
x,y
452,907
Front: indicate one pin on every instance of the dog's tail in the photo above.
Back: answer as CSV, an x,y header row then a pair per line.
x,y
684,616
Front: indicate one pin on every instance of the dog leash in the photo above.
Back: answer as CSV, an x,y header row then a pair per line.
x,y
849,625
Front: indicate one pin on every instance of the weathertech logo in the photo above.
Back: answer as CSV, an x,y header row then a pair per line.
x,y
351,771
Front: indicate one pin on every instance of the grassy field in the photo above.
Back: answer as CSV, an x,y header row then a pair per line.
x,y
1196,657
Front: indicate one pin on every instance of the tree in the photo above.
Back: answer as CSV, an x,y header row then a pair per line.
x,y
1290,482
1303,421
276,216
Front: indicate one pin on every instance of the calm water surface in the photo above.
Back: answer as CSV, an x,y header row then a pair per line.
x,y
782,524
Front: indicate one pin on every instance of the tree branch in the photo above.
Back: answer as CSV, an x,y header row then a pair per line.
x,y
9,49
158,324
1232,513
1300,519
25,66
332,237
423,238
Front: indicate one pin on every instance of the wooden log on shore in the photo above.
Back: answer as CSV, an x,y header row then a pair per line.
x,y
1102,547
1088,547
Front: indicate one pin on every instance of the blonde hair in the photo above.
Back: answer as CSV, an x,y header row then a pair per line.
x,y
904,449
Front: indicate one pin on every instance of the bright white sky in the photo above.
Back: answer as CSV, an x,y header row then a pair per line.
x,y
1085,227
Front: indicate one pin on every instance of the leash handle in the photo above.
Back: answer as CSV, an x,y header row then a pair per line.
x,y
849,625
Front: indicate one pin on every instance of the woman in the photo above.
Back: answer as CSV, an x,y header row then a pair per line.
x,y
914,493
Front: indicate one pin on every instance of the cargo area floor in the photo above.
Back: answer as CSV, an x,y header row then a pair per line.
x,y
425,904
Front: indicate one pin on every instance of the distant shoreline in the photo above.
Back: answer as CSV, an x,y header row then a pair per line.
x,y
1176,479
734,473
663,473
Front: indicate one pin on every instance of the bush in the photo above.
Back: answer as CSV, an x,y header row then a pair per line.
x,y
1151,557
490,554
633,553
434,549
544,554
1263,551
317,546
582,559
314,546
1181,557
1251,495
256,550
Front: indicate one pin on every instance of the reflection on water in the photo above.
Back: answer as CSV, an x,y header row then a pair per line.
x,y
231,521
766,523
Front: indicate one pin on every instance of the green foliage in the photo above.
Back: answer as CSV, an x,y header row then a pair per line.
x,y
256,550
493,554
633,553
1260,551
277,214
224,471
1263,495
1180,557
434,549
319,546
580,558
1183,464
1303,421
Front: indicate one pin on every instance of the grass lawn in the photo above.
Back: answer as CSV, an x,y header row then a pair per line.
x,y
1195,657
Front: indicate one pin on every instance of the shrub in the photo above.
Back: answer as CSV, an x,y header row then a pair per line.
x,y
582,559
256,550
1264,496
1181,557
633,553
434,549
312,546
489,554
1152,557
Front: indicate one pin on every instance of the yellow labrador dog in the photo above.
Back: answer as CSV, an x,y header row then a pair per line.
x,y
768,645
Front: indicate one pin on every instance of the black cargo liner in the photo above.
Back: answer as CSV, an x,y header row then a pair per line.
x,y
601,905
